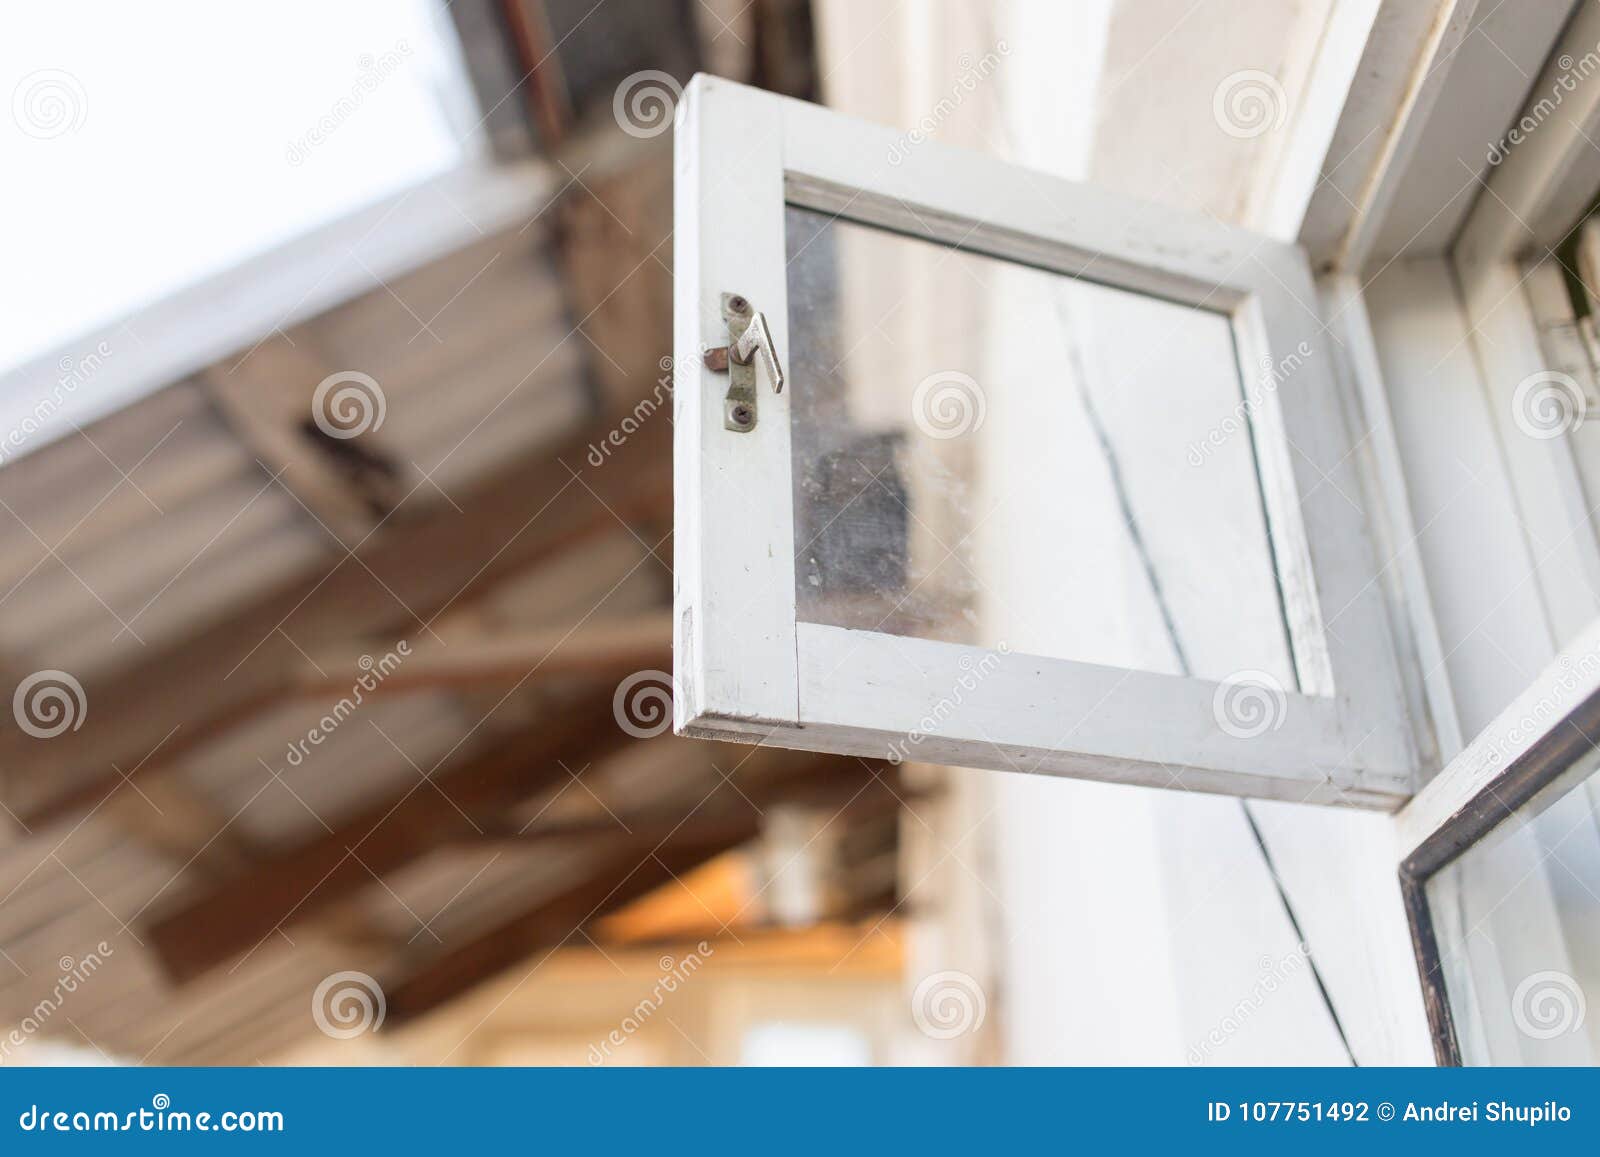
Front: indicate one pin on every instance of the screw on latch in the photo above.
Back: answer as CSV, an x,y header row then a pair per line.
x,y
741,415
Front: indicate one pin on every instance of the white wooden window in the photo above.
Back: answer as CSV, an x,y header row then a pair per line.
x,y
1443,285
759,656
832,537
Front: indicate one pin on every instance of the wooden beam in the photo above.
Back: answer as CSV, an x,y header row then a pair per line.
x,y
549,106
854,797
174,819
237,916
495,70
254,695
601,648
182,698
266,399
620,829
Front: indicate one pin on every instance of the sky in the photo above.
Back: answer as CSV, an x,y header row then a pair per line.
x,y
142,154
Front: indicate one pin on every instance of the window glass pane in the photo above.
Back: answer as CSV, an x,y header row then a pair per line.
x,y
989,453
1517,922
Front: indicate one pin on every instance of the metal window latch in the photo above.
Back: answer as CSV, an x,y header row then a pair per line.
x,y
748,335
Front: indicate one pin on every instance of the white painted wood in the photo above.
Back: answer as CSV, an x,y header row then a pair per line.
x,y
1552,512
1502,913
733,547
1416,632
1569,347
1401,72
1360,747
1490,74
1490,621
1442,32
1439,84
1336,867
224,315
1539,709
1538,191
880,695
987,205
1485,588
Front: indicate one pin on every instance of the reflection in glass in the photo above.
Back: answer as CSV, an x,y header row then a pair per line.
x,y
985,452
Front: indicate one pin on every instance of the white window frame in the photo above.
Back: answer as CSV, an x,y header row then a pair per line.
x,y
1537,748
747,670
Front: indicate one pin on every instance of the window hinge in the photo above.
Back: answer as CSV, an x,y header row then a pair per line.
x,y
748,334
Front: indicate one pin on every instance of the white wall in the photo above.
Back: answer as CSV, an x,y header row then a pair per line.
x,y
1105,924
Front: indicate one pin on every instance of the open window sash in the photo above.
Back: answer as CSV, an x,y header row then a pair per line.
x,y
752,664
